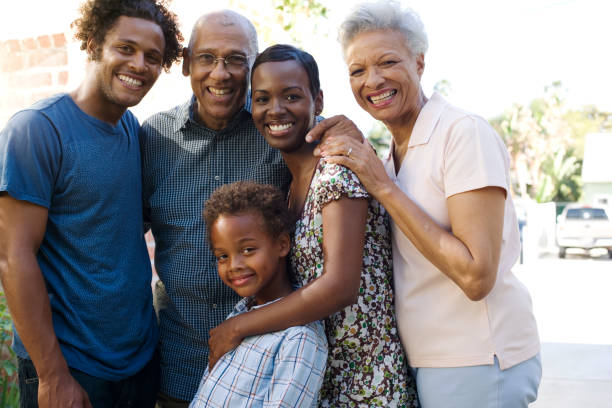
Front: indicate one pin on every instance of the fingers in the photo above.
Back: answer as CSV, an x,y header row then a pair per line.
x,y
320,128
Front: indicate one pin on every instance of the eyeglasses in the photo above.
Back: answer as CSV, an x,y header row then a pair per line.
x,y
233,62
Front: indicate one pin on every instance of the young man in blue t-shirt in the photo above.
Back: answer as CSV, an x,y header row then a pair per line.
x,y
73,261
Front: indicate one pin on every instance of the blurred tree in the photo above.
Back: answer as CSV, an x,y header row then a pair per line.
x,y
292,20
443,87
546,144
380,137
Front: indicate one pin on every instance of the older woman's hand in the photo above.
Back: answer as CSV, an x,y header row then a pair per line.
x,y
330,128
361,158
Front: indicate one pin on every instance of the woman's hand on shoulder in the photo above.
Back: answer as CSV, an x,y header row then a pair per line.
x,y
222,339
361,158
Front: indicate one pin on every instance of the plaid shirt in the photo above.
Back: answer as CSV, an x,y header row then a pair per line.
x,y
280,369
183,163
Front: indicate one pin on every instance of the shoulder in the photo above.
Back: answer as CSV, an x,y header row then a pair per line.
x,y
333,180
167,119
312,332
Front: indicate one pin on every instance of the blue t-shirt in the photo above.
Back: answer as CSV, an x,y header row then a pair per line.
x,y
93,256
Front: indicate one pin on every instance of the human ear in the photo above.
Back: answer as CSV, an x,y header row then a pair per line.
x,y
284,244
91,48
186,61
318,103
420,61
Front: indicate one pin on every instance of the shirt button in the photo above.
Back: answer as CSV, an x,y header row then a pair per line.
x,y
214,305
217,178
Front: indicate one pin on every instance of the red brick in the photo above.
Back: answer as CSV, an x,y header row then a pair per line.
x,y
44,41
35,97
13,45
59,40
30,81
29,44
48,58
12,63
62,78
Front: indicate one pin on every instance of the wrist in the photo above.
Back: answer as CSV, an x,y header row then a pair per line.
x,y
52,367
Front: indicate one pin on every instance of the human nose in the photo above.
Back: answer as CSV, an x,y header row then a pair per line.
x,y
276,106
137,62
236,263
373,78
219,69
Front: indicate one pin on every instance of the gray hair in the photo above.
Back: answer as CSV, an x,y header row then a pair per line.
x,y
384,15
230,17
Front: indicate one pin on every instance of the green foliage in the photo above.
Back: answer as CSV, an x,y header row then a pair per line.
x,y
546,144
9,391
380,137
290,10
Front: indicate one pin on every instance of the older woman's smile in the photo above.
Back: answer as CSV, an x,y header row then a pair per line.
x,y
382,98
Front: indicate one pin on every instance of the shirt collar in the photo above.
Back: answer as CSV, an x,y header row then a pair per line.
x,y
185,117
425,123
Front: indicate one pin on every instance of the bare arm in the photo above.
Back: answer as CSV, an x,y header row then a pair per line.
x,y
469,254
343,240
22,228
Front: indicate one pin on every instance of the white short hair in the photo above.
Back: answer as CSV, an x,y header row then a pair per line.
x,y
384,15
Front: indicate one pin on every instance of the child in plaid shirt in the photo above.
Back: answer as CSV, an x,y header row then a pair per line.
x,y
248,229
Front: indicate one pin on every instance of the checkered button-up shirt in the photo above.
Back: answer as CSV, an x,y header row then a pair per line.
x,y
183,163
280,369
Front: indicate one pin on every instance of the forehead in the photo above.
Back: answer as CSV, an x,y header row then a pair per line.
x,y
138,31
238,226
373,44
222,36
282,73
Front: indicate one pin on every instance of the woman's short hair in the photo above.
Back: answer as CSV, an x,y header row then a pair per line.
x,y
384,15
283,52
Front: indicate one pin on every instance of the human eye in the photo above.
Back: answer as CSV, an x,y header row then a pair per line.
x,y
235,59
220,256
388,62
124,48
154,59
356,72
205,58
293,97
248,250
261,99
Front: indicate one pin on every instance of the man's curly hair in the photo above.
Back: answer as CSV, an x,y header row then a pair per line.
x,y
248,197
99,16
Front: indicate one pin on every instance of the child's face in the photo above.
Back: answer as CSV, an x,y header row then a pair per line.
x,y
249,260
283,107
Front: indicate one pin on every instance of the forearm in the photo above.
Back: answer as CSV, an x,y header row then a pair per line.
x,y
28,302
315,301
473,274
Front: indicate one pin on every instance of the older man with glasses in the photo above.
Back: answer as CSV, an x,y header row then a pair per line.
x,y
187,152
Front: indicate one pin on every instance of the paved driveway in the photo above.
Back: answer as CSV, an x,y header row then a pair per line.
x,y
572,301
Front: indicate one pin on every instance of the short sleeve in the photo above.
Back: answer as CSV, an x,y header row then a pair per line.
x,y
30,154
334,181
298,369
474,157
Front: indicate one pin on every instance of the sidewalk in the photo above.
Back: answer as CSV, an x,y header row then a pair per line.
x,y
576,376
572,304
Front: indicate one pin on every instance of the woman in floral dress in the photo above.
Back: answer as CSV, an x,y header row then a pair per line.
x,y
341,253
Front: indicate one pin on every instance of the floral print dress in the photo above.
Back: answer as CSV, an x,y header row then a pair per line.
x,y
366,365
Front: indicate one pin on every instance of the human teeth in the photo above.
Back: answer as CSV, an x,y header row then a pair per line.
x,y
130,81
218,91
378,98
278,128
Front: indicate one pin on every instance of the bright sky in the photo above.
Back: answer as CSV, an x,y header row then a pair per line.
x,y
493,52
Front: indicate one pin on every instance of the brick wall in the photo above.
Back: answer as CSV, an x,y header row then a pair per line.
x,y
31,69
